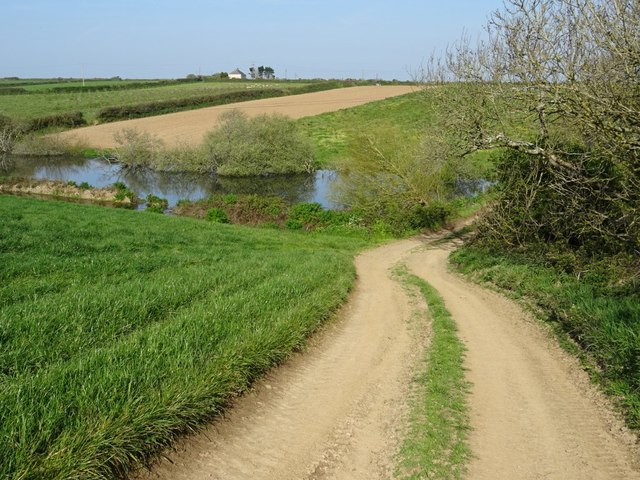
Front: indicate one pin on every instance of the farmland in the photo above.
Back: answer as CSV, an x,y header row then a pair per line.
x,y
120,330
45,101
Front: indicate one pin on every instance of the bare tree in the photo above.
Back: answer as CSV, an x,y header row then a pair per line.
x,y
9,135
556,82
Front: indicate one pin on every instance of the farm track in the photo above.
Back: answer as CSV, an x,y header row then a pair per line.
x,y
336,411
190,126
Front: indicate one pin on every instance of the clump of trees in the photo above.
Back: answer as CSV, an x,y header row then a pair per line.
x,y
239,146
262,72
266,144
556,89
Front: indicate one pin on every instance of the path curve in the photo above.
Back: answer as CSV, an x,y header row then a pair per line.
x,y
533,411
337,410
331,412
190,126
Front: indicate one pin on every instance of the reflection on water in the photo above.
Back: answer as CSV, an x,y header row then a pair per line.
x,y
170,185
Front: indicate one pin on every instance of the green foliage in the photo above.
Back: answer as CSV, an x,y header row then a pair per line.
x,y
85,186
156,204
217,215
406,185
266,144
309,213
123,193
602,318
229,198
111,114
63,120
590,211
12,90
121,330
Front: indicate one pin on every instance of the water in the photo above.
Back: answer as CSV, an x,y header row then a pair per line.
x,y
173,186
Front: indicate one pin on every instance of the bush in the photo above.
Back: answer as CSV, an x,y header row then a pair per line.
x,y
156,204
308,213
217,215
267,144
292,224
10,133
122,194
136,149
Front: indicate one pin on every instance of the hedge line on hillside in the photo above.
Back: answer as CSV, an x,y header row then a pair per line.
x,y
17,89
70,120
111,114
12,91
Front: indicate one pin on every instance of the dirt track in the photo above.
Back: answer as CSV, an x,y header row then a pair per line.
x,y
190,126
337,410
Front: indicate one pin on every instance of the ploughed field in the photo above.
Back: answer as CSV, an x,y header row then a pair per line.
x,y
120,329
190,126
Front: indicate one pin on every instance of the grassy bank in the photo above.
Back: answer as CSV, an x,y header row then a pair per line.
x,y
598,321
122,329
436,442
334,132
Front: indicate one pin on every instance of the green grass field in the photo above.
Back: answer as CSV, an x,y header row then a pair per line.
x,y
27,107
333,132
122,329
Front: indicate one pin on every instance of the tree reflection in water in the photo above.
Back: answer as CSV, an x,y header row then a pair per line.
x,y
173,186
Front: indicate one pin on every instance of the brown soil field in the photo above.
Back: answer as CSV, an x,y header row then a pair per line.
x,y
189,127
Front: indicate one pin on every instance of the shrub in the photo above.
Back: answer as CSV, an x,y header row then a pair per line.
x,y
217,215
267,144
123,193
230,198
308,213
292,224
156,204
136,149
10,133
85,186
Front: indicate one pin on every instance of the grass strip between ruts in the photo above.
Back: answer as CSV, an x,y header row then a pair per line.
x,y
435,445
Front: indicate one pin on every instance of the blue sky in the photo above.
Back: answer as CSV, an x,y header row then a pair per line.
x,y
171,38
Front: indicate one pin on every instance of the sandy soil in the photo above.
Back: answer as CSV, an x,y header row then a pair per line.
x,y
189,127
533,411
337,411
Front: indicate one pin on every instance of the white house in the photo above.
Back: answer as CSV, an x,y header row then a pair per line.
x,y
237,74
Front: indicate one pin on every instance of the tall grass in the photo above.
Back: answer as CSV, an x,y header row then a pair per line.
x,y
120,330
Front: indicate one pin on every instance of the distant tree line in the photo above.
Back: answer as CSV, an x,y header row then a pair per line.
x,y
262,72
